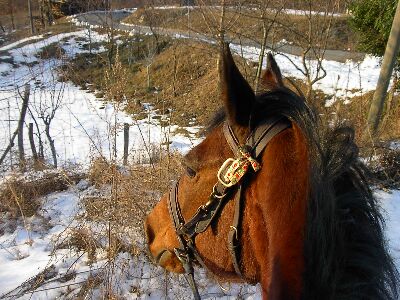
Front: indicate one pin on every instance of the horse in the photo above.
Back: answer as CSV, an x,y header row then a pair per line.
x,y
305,222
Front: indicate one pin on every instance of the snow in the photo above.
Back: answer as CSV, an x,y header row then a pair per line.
x,y
390,202
298,12
343,80
17,43
282,11
29,250
5,67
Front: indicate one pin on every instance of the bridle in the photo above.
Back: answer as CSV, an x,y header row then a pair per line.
x,y
229,181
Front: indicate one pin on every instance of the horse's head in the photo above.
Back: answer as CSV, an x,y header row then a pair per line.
x,y
258,246
303,202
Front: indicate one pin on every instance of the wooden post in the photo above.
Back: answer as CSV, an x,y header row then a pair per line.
x,y
389,61
25,100
126,143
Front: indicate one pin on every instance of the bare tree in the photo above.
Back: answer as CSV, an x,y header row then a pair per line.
x,y
314,40
8,9
38,134
32,143
46,12
267,24
148,60
31,17
46,106
155,22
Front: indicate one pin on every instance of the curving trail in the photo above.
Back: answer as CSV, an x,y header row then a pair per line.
x,y
114,18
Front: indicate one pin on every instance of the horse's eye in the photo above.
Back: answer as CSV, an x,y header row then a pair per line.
x,y
191,173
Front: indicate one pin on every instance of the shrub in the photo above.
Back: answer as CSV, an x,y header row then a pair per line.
x,y
53,50
373,19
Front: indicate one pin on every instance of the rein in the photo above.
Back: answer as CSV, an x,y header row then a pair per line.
x,y
229,182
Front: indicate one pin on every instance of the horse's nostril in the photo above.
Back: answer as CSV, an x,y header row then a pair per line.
x,y
148,232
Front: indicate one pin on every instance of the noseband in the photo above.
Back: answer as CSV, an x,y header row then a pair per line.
x,y
229,183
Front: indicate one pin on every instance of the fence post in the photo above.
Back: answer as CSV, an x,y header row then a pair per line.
x,y
126,143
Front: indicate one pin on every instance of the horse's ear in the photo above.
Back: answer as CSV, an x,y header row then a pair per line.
x,y
236,93
272,77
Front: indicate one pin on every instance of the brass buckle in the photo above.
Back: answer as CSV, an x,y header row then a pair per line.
x,y
224,166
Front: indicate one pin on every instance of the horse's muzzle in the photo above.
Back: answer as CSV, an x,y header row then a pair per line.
x,y
160,255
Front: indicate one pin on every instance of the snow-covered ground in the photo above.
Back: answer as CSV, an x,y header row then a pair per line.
x,y
82,126
30,249
82,129
295,12
342,80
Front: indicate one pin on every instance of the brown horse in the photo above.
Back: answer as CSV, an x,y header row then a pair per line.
x,y
309,226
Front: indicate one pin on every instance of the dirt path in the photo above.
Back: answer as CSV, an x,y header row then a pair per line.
x,y
115,18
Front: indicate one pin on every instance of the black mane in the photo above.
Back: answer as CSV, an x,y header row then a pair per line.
x,y
345,250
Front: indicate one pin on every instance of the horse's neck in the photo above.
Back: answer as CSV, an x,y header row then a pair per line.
x,y
275,216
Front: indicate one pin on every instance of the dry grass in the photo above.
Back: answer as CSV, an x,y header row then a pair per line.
x,y
18,195
356,112
90,284
387,170
128,192
185,76
112,223
54,50
118,203
81,239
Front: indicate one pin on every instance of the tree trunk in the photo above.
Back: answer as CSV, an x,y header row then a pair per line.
x,y
222,24
126,143
389,61
175,73
148,76
39,135
41,11
21,151
32,142
52,147
50,15
12,14
31,17
261,57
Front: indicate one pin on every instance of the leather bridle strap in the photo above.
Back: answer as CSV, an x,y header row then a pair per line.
x,y
233,234
184,252
205,214
259,137
257,141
